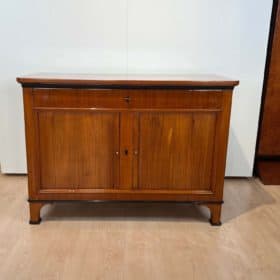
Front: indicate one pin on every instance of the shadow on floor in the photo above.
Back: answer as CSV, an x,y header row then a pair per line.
x,y
239,198
121,211
243,196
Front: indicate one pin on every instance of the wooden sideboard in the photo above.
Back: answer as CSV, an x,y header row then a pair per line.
x,y
126,138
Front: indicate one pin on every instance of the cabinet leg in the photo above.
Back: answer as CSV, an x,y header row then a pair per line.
x,y
215,210
35,208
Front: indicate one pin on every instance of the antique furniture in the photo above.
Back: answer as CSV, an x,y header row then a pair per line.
x,y
126,138
268,148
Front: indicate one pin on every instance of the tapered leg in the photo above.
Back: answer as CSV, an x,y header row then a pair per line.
x,y
215,210
35,208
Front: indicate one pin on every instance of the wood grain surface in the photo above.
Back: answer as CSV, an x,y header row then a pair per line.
x,y
156,144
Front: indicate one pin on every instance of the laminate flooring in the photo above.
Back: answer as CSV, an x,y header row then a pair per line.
x,y
141,240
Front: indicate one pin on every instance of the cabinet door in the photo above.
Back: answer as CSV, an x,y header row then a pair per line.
x,y
78,150
176,150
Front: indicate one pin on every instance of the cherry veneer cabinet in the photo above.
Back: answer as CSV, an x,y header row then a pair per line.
x,y
268,148
126,138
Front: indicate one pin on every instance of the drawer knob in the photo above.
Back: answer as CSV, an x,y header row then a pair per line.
x,y
127,99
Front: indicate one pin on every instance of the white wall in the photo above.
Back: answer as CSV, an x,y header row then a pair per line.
x,y
135,36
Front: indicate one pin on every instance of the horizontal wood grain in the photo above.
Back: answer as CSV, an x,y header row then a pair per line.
x,y
127,99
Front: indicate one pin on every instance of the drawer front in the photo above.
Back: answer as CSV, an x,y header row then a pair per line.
x,y
79,98
175,99
128,98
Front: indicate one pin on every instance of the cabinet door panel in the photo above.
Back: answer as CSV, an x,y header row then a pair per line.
x,y
78,150
176,150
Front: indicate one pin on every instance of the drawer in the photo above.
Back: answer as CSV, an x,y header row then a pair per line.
x,y
175,99
80,98
128,98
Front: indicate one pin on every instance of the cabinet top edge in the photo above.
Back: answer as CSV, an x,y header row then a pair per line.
x,y
92,80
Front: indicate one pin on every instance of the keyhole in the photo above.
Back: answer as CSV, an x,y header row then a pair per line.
x,y
126,152
127,99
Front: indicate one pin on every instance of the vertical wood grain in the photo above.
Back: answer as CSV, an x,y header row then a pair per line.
x,y
269,144
221,144
78,149
128,151
176,150
31,140
164,150
202,149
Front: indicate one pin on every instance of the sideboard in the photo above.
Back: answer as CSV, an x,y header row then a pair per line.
x,y
126,138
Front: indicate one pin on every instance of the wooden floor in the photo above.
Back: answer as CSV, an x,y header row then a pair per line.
x,y
142,241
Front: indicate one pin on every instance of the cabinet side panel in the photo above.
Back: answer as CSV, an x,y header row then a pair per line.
x,y
221,144
31,143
